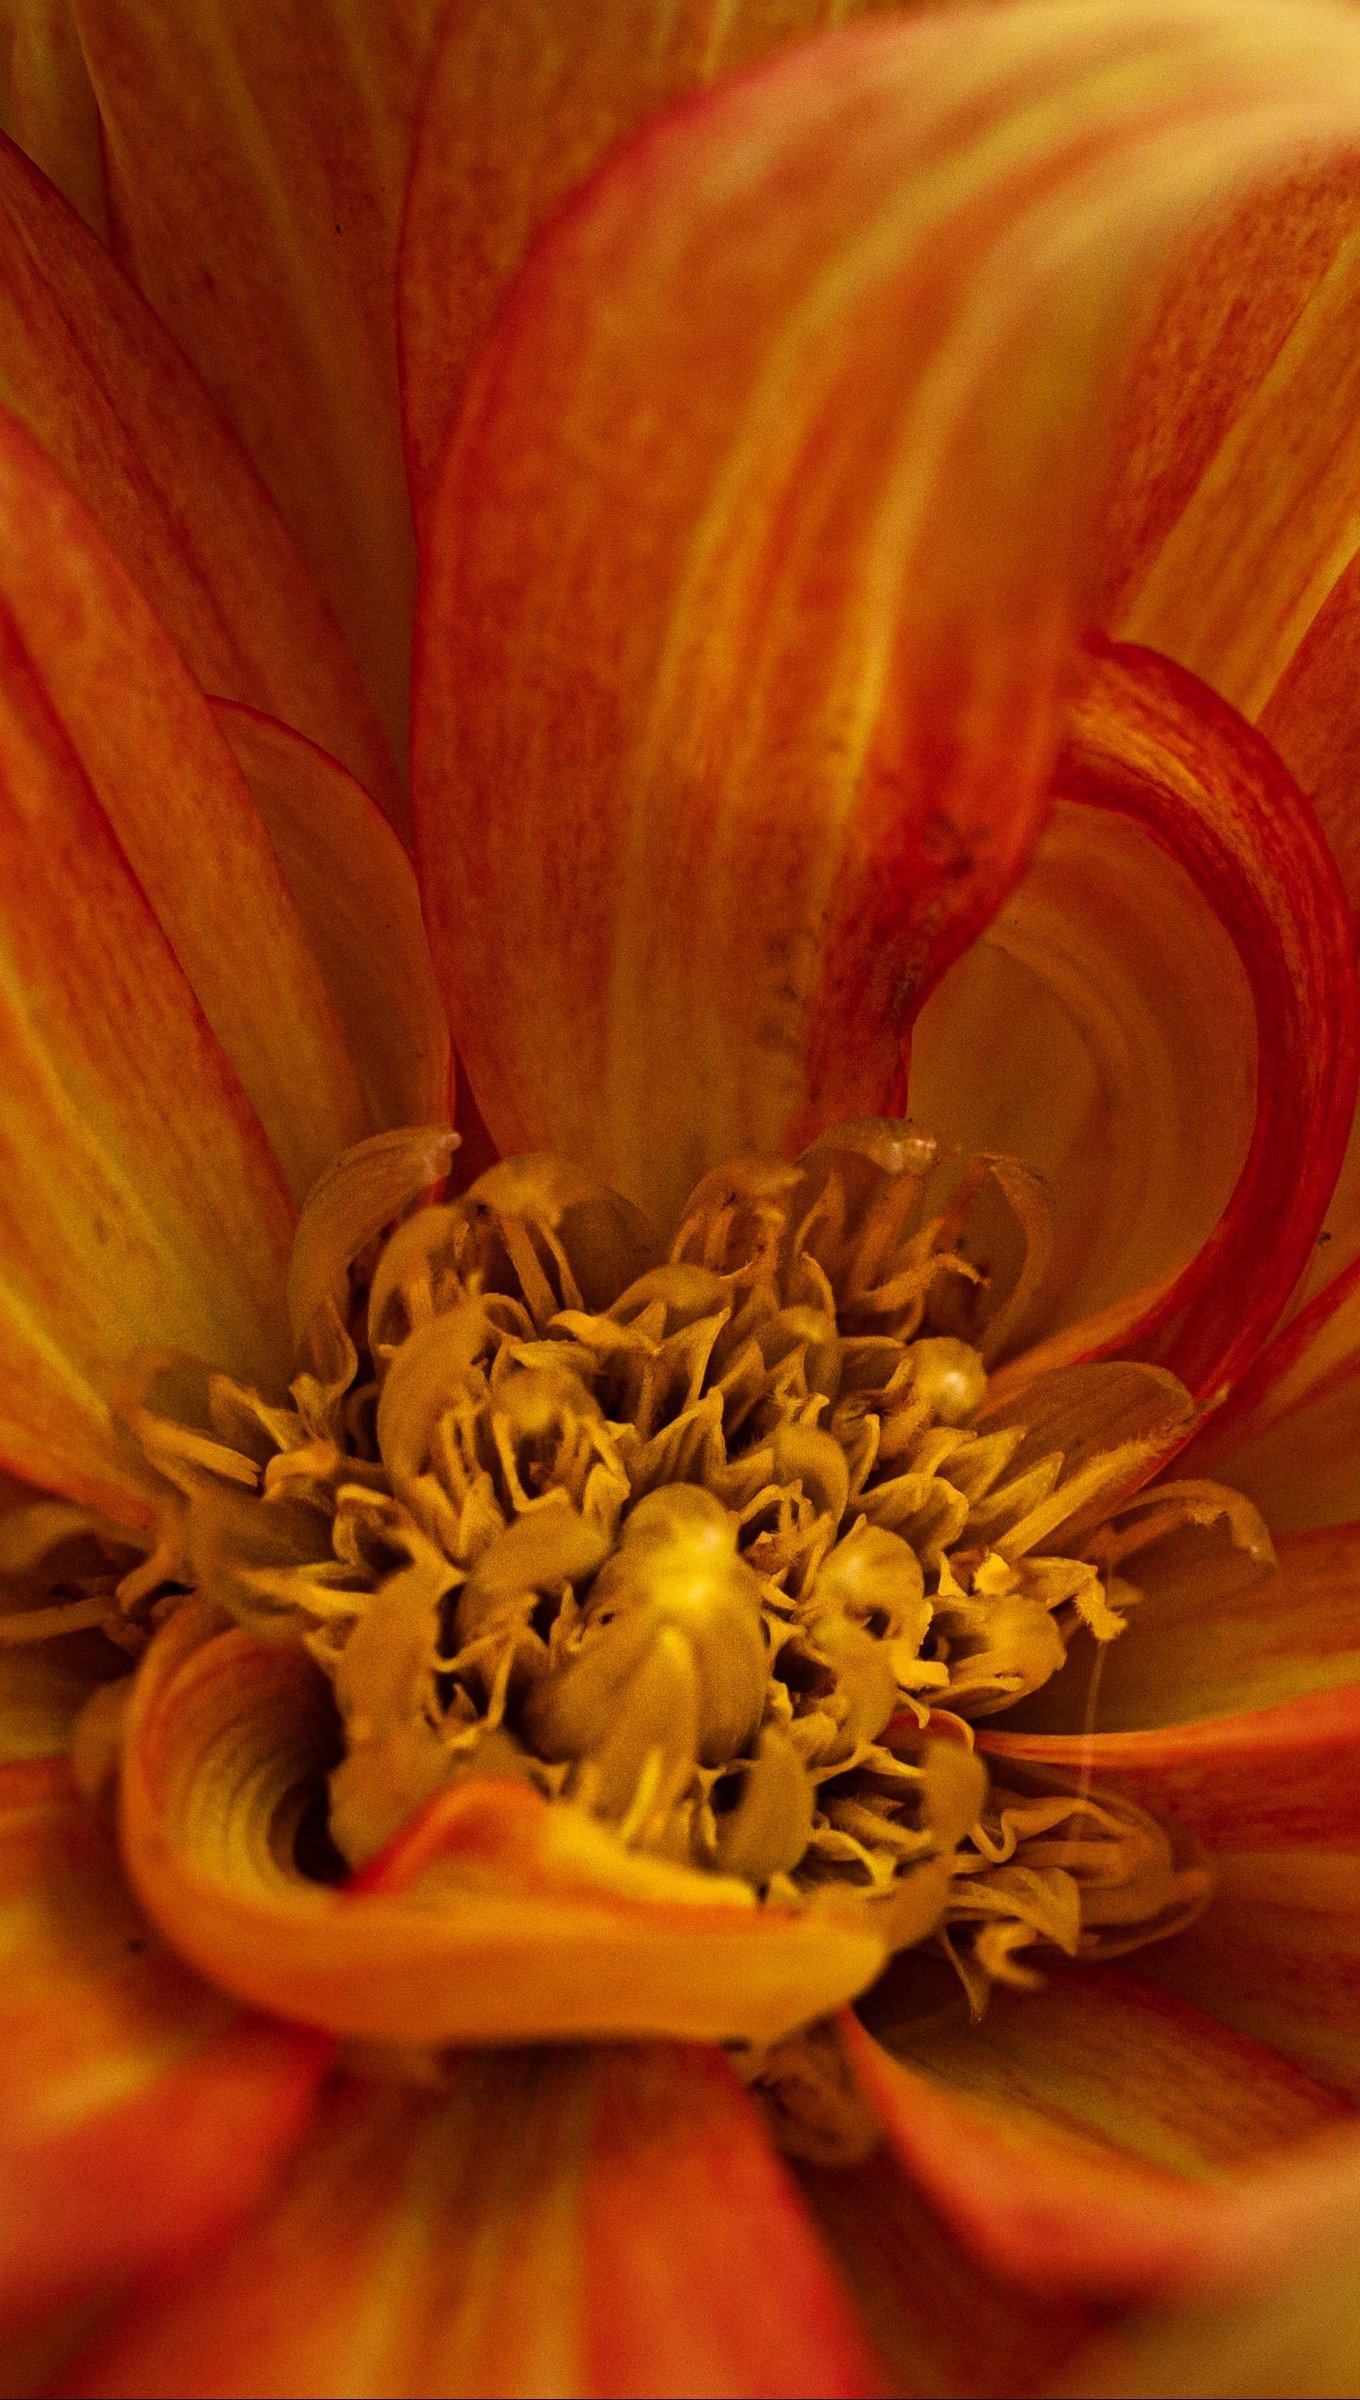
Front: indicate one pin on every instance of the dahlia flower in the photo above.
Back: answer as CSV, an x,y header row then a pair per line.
x,y
679,1713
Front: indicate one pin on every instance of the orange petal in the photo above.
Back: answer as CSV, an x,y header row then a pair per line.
x,y
139,2114
1278,1777
750,581
262,152
180,810
493,1918
581,2223
47,105
142,1205
352,885
1107,2139
1215,1634
1150,744
86,366
1277,1954
523,99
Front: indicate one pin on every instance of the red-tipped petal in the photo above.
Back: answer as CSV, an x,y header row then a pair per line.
x,y
605,2223
1150,744
180,810
256,160
750,581
87,367
493,1918
523,98
1111,2141
139,2114
354,890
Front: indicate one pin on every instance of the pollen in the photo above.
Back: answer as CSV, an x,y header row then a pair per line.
x,y
727,1541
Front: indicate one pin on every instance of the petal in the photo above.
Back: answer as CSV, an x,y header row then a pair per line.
x,y
1277,1954
43,1688
139,2114
46,103
180,810
1215,1634
95,378
352,885
751,576
256,161
1149,743
1279,1777
942,2321
142,1205
579,2223
522,101
1109,2140
1271,519
494,1918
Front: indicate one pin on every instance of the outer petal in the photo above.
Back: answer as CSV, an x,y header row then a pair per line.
x,y
180,810
141,1202
582,2223
352,884
1149,743
139,2114
495,1918
86,366
751,575
274,143
1111,2141
524,97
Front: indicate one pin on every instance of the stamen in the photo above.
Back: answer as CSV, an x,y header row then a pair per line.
x,y
722,1542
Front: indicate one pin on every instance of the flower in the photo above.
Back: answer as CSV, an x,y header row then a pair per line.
x,y
759,504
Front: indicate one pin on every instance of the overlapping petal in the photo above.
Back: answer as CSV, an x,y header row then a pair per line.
x,y
139,2113
523,98
255,162
750,787
180,812
582,2223
494,1917
1113,2141
352,885
85,365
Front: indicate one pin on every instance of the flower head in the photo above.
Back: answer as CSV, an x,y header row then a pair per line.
x,y
695,1548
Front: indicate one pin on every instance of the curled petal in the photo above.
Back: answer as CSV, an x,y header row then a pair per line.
x,y
139,2113
88,369
495,1917
750,762
1067,2142
1148,743
572,2222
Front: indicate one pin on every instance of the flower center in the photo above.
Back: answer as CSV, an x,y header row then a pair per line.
x,y
724,1543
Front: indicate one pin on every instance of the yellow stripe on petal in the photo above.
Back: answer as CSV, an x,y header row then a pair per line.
x,y
752,576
